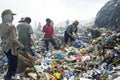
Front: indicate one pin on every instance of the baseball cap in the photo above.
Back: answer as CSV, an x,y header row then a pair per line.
x,y
7,11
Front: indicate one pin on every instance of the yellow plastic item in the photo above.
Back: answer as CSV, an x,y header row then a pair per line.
x,y
54,63
57,75
82,50
97,40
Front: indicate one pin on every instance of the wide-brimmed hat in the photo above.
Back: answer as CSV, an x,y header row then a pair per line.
x,y
7,11
22,19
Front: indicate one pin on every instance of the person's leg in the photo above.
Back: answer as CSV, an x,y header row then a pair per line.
x,y
54,43
12,65
14,62
71,40
66,38
7,77
47,45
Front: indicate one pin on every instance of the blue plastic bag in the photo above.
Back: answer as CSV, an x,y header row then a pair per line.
x,y
78,43
59,55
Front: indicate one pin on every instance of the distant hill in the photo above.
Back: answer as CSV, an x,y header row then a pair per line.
x,y
109,15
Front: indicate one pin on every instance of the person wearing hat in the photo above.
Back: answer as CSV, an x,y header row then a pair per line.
x,y
24,33
48,31
71,32
9,43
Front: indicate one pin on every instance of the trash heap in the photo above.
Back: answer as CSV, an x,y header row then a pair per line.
x,y
96,60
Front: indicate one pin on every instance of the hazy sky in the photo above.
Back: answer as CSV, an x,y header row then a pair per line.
x,y
57,10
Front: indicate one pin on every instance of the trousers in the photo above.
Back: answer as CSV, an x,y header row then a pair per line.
x,y
12,65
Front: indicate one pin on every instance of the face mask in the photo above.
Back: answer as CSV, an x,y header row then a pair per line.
x,y
7,18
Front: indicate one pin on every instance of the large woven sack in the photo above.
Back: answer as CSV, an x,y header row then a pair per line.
x,y
24,61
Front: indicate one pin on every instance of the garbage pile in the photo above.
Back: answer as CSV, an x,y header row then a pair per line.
x,y
96,60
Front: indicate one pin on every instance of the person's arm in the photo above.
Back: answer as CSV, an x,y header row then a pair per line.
x,y
76,33
30,29
52,31
13,37
13,34
43,29
30,34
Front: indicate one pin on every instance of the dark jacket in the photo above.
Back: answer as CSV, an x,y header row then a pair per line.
x,y
70,30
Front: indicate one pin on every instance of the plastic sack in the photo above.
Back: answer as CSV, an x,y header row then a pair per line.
x,y
78,43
